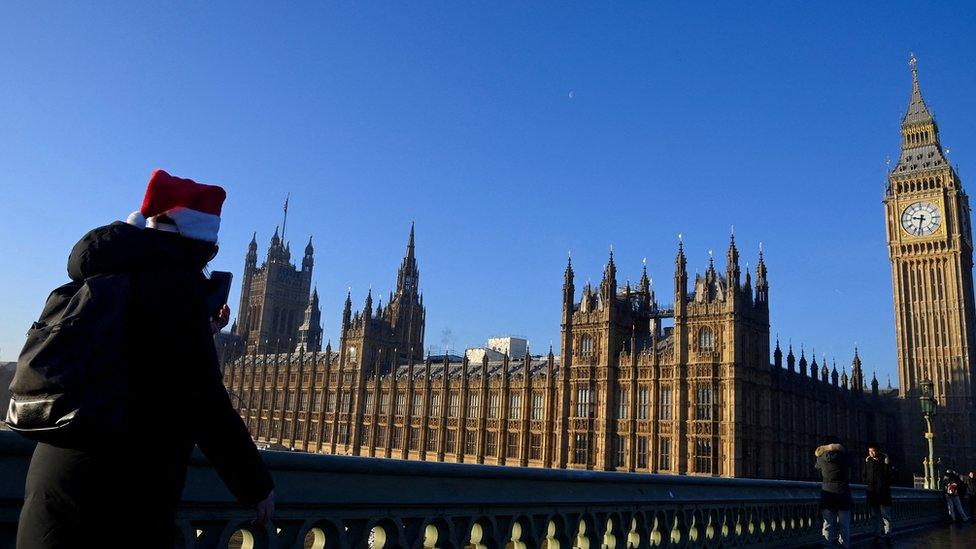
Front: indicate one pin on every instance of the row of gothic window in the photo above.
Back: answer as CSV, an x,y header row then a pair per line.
x,y
706,341
704,403
585,403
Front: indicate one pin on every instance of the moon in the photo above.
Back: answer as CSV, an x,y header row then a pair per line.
x,y
572,94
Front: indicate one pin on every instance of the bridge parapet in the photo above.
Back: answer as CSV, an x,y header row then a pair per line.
x,y
342,502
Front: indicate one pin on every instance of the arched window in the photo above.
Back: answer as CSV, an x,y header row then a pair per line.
x,y
586,344
706,339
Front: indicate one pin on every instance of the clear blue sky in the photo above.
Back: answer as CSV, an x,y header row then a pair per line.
x,y
509,133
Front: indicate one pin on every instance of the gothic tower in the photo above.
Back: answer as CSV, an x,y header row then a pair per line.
x,y
931,252
274,297
398,328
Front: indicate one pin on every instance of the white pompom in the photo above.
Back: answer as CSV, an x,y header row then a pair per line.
x,y
136,219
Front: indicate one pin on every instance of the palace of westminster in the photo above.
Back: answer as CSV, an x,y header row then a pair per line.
x,y
682,388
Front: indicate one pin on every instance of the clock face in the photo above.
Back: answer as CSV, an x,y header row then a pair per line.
x,y
921,219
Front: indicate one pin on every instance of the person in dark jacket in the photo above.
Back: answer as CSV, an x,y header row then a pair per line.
x,y
970,482
124,493
954,488
878,477
835,491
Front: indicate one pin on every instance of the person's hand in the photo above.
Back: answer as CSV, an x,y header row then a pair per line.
x,y
222,319
264,510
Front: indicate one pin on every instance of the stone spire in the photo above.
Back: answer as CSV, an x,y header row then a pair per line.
x,y
308,260
310,332
608,286
920,147
252,248
762,284
347,309
918,111
857,375
680,279
408,277
569,288
732,263
645,283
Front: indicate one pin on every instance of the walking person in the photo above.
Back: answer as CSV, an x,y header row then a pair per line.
x,y
953,488
878,477
124,492
970,482
835,492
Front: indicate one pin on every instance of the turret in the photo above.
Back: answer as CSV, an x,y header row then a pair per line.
x,y
644,286
874,384
803,364
275,239
307,261
310,332
243,321
680,280
857,376
277,251
608,286
408,277
834,378
762,285
791,361
569,290
347,310
732,266
252,252
368,306
778,357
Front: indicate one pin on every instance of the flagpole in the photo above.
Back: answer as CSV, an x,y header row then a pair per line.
x,y
283,223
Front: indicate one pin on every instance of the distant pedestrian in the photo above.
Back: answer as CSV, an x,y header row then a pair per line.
x,y
835,492
878,477
970,482
953,488
125,493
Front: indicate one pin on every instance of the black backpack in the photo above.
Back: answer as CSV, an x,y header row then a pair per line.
x,y
69,385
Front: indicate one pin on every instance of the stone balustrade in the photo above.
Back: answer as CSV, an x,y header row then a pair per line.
x,y
337,502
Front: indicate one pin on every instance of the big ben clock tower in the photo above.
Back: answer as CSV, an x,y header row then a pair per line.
x,y
931,251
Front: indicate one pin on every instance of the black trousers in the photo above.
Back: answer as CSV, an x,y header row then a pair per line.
x,y
118,497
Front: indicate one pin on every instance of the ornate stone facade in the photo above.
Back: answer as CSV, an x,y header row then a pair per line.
x,y
276,312
931,249
629,393
686,388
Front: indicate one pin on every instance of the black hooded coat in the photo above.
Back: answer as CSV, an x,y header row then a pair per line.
x,y
101,495
834,466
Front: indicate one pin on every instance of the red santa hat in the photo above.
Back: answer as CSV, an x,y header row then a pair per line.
x,y
193,207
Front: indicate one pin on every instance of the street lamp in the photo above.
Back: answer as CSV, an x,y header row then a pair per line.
x,y
928,403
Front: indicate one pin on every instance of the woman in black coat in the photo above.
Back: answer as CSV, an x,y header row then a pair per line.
x,y
124,493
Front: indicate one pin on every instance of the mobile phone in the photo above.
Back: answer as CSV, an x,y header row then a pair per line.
x,y
219,291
